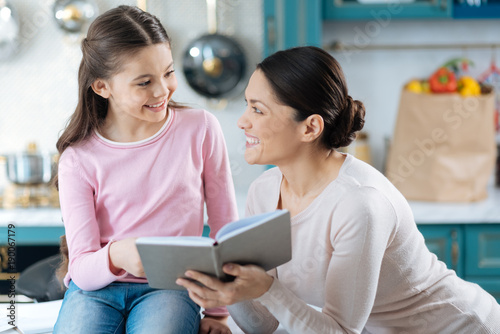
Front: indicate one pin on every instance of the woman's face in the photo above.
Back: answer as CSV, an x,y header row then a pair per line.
x,y
272,136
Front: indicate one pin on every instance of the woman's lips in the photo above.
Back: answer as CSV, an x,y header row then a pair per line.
x,y
251,140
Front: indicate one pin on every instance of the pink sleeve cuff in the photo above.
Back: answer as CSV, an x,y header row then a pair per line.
x,y
217,312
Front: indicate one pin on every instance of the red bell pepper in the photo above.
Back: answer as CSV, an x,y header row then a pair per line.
x,y
443,81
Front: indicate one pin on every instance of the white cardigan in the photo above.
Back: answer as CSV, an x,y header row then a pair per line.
x,y
358,255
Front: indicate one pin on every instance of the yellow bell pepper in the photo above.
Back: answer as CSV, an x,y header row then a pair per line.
x,y
414,86
468,86
426,87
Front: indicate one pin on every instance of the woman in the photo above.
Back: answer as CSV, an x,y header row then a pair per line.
x,y
357,253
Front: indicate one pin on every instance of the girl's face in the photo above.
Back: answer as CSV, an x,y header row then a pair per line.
x,y
272,135
142,89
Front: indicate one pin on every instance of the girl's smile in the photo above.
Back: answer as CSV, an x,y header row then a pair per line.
x,y
157,107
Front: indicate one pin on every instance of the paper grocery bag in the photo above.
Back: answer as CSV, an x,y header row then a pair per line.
x,y
443,148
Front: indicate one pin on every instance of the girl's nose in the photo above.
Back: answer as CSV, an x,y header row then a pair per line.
x,y
162,89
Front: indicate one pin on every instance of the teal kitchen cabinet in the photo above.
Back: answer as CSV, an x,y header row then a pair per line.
x,y
385,11
463,9
447,242
289,23
472,250
482,260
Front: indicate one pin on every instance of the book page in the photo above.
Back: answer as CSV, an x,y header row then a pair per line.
x,y
179,240
242,225
266,244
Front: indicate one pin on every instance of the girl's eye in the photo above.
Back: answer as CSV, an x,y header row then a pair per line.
x,y
169,73
144,84
257,111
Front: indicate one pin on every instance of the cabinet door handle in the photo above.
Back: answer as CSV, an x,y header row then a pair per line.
x,y
454,250
271,35
444,5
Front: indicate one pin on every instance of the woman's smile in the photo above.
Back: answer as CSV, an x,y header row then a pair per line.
x,y
251,141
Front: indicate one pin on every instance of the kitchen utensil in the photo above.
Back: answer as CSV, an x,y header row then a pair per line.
x,y
214,65
30,167
9,30
75,15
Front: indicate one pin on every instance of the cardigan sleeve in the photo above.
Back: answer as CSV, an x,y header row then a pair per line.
x,y
89,260
361,232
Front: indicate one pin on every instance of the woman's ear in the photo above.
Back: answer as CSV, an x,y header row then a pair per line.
x,y
313,128
101,87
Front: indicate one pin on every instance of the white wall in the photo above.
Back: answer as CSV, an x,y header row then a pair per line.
x,y
38,87
377,77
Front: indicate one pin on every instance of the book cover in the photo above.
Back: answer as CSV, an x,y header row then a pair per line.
x,y
263,240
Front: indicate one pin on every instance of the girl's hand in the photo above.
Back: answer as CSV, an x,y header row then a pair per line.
x,y
123,255
214,325
251,282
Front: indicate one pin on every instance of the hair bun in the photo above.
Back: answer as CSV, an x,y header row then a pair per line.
x,y
350,121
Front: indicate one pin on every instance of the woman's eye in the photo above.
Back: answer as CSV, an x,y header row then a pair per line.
x,y
169,73
257,111
145,83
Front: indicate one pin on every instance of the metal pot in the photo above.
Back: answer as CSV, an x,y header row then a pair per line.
x,y
30,168
214,65
75,15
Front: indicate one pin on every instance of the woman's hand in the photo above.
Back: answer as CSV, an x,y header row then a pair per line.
x,y
123,255
251,282
214,325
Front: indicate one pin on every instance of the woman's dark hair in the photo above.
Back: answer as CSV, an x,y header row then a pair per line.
x,y
311,81
115,35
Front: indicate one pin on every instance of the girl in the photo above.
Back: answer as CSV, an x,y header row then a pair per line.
x,y
357,253
134,163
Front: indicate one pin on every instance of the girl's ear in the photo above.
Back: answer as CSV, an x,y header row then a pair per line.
x,y
101,87
312,128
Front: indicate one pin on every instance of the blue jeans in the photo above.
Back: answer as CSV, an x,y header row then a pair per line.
x,y
127,308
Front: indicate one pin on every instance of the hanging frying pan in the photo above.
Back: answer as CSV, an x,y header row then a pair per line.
x,y
214,65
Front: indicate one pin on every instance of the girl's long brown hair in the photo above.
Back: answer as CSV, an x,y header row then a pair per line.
x,y
113,37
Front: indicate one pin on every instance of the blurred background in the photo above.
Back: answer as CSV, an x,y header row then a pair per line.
x,y
38,84
382,46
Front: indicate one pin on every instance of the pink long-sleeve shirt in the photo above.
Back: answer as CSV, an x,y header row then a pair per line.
x,y
110,191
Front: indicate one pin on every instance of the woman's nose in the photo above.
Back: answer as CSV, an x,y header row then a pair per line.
x,y
243,122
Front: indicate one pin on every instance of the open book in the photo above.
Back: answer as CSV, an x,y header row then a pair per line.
x,y
264,240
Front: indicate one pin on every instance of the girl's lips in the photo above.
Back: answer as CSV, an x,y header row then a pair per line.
x,y
156,107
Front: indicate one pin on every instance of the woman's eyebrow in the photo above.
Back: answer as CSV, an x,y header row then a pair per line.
x,y
258,101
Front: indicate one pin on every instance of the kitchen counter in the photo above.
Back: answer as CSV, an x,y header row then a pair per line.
x,y
44,225
484,212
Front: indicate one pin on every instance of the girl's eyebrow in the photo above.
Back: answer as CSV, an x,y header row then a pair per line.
x,y
150,75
